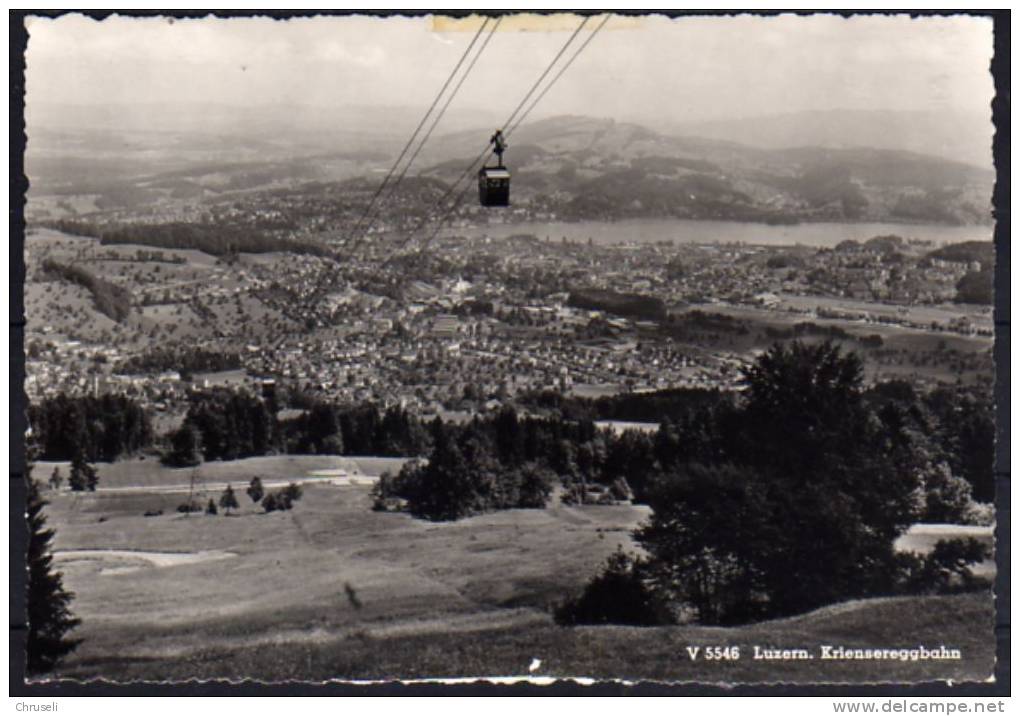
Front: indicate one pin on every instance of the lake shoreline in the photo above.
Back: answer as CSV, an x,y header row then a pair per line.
x,y
626,232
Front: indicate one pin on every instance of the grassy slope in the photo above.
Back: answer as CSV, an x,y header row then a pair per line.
x,y
467,598
640,654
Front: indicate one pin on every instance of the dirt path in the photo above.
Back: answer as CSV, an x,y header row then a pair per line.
x,y
184,487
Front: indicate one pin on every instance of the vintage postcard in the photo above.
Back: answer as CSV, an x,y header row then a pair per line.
x,y
607,347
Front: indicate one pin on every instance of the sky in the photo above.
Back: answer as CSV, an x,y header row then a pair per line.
x,y
640,69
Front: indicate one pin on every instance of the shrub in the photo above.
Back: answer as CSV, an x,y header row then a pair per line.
x,y
277,501
620,594
283,500
293,492
947,568
186,507
620,490
574,492
979,513
210,509
947,497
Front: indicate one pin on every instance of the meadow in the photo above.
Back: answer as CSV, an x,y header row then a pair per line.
x,y
333,590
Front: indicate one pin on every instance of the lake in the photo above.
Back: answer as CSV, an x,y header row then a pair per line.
x,y
689,231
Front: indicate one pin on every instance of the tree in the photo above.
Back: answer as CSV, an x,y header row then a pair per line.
x,y
83,476
49,614
210,509
227,500
56,479
976,287
705,522
255,490
805,491
947,496
185,447
620,594
966,419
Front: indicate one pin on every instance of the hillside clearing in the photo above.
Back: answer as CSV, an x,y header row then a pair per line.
x,y
467,598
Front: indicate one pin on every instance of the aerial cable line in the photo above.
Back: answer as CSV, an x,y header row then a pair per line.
x,y
486,153
358,235
460,197
546,72
559,74
361,235
449,190
357,229
432,127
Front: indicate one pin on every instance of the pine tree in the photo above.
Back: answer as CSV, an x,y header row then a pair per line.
x,y
49,616
227,500
91,477
76,480
255,490
186,447
83,476
210,509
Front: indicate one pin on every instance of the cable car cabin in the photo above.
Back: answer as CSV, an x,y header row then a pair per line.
x,y
494,186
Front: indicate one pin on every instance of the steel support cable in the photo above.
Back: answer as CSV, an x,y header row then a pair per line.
x,y
446,195
326,276
482,157
403,152
517,123
432,127
559,74
548,69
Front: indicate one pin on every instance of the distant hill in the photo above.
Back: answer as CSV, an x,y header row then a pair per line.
x,y
584,168
963,137
567,167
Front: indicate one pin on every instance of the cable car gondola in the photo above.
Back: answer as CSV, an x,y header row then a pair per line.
x,y
494,182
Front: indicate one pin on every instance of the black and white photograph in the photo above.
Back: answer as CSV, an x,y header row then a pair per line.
x,y
523,347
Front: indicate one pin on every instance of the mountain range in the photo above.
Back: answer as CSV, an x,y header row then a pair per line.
x,y
584,168
569,167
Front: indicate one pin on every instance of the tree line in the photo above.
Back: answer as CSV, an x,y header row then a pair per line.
x,y
215,240
624,304
110,299
93,428
470,470
225,425
954,425
787,499
187,360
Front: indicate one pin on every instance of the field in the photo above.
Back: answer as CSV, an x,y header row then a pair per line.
x,y
333,590
147,475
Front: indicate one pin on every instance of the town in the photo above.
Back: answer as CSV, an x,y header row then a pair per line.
x,y
476,321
